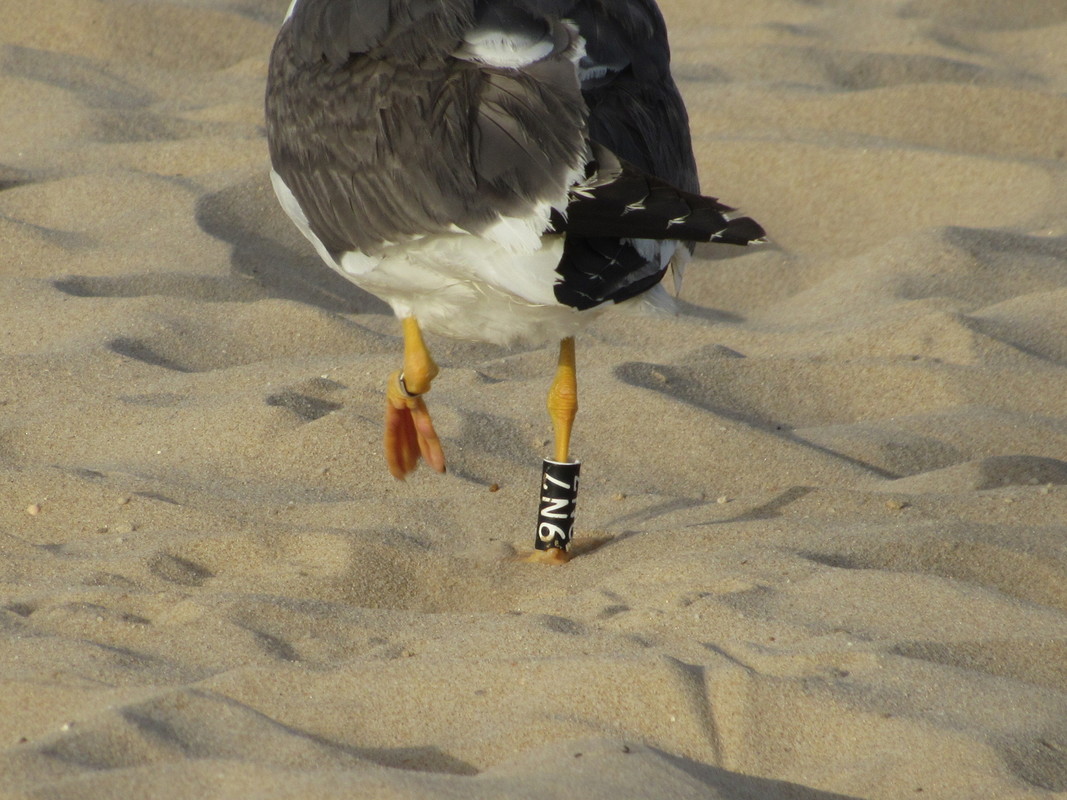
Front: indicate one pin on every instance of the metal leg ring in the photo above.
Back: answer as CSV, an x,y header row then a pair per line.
x,y
404,386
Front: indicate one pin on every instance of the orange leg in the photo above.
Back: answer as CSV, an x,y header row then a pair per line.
x,y
562,408
563,399
409,431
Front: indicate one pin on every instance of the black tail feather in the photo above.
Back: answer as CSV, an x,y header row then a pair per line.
x,y
742,230
619,200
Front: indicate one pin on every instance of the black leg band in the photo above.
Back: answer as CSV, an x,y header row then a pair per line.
x,y
559,501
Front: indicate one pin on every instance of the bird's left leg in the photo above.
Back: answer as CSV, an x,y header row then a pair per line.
x,y
559,496
563,399
409,431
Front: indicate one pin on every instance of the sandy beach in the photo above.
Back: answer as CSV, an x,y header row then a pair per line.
x,y
822,531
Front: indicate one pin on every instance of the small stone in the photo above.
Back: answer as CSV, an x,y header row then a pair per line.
x,y
33,509
66,726
722,500
619,496
125,501
895,505
494,487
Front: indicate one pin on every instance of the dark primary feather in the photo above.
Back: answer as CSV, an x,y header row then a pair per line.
x,y
385,126
635,109
595,268
625,201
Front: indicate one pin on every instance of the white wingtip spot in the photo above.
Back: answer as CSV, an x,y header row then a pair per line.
x,y
502,49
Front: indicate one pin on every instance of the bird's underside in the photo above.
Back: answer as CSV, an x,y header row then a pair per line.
x,y
494,169
517,122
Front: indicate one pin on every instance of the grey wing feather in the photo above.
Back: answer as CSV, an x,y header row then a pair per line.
x,y
390,119
389,132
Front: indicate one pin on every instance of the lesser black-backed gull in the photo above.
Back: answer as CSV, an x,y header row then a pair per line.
x,y
495,170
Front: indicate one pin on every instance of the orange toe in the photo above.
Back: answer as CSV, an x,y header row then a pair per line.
x,y
409,432
429,444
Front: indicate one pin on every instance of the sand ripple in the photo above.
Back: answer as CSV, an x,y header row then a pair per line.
x,y
822,521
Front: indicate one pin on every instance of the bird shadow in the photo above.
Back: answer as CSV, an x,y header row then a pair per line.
x,y
678,385
268,250
734,784
685,308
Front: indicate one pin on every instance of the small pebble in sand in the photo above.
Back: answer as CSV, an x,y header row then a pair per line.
x,y
33,509
722,500
619,496
125,501
66,726
494,487
895,505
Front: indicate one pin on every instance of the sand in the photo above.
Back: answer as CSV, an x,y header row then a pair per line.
x,y
822,534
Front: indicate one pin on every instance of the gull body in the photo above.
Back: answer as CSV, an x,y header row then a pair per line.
x,y
495,170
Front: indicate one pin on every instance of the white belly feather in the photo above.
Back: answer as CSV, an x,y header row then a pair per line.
x,y
454,283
